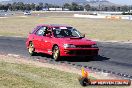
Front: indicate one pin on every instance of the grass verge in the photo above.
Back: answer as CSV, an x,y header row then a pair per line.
x,y
25,76
16,74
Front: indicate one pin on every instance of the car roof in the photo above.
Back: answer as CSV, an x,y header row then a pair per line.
x,y
54,25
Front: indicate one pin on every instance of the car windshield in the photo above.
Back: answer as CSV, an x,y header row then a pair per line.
x,y
69,32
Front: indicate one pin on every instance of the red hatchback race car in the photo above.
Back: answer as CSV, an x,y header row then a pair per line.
x,y
60,40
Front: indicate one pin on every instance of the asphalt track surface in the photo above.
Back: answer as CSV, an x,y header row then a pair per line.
x,y
114,57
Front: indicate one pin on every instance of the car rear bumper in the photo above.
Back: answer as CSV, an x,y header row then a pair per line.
x,y
79,52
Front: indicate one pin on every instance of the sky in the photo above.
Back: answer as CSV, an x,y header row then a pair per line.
x,y
127,2
123,2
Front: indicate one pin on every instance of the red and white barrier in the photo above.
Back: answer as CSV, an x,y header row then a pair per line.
x,y
111,17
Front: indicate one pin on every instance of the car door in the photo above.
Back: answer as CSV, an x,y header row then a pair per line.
x,y
47,43
39,38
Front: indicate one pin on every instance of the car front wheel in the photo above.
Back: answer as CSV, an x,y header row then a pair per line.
x,y
56,53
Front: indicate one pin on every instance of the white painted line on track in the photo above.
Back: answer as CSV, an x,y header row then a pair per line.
x,y
3,17
14,55
22,16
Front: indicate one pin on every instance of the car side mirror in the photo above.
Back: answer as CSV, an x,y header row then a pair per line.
x,y
83,35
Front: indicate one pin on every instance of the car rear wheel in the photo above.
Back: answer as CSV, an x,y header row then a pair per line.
x,y
56,53
31,49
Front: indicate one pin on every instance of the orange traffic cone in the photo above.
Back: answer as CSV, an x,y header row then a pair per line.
x,y
84,73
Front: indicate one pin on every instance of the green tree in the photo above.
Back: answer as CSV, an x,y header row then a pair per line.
x,y
87,7
46,5
67,5
32,6
37,8
41,6
118,8
113,8
21,5
125,8
74,6
105,8
27,6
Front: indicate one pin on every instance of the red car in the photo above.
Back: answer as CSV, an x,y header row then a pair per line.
x,y
60,40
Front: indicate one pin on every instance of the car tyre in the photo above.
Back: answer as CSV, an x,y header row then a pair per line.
x,y
56,53
31,49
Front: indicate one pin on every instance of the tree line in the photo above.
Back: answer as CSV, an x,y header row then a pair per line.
x,y
20,6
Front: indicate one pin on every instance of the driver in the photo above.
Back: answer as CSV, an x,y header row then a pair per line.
x,y
48,32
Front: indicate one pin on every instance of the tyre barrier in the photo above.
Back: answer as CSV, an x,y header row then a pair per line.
x,y
78,66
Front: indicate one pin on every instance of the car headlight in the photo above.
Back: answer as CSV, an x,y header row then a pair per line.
x,y
69,46
94,46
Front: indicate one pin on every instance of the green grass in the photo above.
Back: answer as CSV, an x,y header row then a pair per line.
x,y
13,75
101,29
26,76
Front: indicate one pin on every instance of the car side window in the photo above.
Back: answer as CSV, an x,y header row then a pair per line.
x,y
41,31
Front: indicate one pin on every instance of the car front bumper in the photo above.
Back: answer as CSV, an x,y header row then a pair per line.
x,y
79,52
